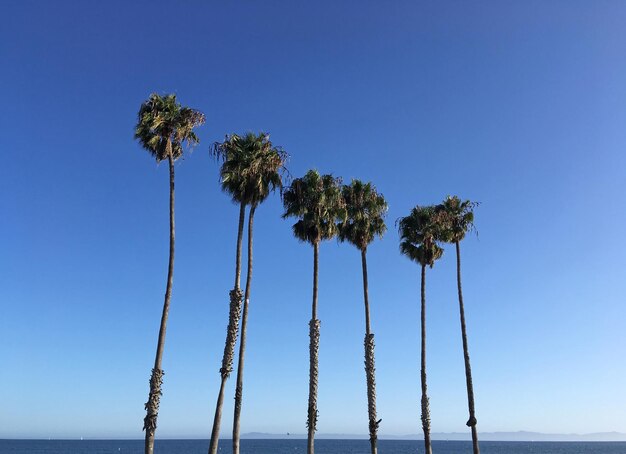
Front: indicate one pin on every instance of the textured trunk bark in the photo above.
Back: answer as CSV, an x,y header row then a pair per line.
x,y
231,335
471,422
425,404
242,342
156,379
370,365
314,343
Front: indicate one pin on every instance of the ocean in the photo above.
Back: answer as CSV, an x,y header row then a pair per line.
x,y
299,447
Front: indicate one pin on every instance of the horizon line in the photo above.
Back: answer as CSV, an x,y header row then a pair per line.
x,y
440,436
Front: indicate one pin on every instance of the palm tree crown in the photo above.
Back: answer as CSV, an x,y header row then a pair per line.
x,y
252,167
163,125
419,233
456,218
316,200
365,214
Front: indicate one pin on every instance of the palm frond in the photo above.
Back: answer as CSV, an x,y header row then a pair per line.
x,y
252,167
164,127
420,232
316,201
456,218
365,214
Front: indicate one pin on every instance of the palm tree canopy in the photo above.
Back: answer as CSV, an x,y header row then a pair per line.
x,y
252,167
365,214
421,254
162,120
317,203
456,218
419,233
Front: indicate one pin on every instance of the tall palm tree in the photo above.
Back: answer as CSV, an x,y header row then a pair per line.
x,y
262,176
419,232
163,127
246,175
365,220
315,200
234,160
457,218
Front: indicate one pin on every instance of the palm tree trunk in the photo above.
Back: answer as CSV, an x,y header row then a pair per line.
x,y
468,369
242,215
370,368
156,379
314,343
231,335
425,404
242,342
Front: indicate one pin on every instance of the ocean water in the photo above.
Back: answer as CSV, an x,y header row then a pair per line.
x,y
299,447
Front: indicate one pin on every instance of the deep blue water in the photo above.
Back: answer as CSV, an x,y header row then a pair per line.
x,y
299,447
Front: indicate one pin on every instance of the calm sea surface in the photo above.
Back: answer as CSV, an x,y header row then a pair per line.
x,y
299,446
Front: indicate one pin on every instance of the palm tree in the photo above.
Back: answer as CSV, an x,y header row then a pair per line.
x,y
163,126
234,159
317,203
365,213
418,241
246,161
457,218
262,176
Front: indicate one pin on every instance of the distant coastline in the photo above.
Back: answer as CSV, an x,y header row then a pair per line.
x,y
521,436
484,436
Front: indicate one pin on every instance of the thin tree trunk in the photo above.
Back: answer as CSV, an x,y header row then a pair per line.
x,y
316,254
425,404
370,367
242,342
231,335
471,423
314,343
365,291
242,215
156,379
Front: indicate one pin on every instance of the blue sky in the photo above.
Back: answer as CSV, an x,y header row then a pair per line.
x,y
518,105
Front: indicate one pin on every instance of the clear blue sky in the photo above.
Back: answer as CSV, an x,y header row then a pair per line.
x,y
518,105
